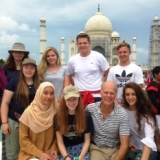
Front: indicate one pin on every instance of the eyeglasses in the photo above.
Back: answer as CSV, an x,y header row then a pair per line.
x,y
20,53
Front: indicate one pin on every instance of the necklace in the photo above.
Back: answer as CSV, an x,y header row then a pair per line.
x,y
54,70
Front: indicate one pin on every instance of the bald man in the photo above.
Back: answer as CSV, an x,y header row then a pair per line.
x,y
110,140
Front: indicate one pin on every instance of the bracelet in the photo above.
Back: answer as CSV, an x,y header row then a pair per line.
x,y
66,157
5,123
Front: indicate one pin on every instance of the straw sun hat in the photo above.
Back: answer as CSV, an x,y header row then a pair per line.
x,y
19,47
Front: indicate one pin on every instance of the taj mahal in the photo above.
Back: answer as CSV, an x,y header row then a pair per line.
x,y
103,40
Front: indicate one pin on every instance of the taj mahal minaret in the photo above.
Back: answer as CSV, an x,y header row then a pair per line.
x,y
62,51
154,42
43,38
134,50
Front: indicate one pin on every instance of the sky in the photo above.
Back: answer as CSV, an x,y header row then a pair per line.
x,y
20,22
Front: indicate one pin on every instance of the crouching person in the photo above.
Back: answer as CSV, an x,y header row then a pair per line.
x,y
142,123
74,126
36,131
110,139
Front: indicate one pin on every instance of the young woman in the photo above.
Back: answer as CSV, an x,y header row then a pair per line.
x,y
73,126
13,63
142,122
51,70
18,94
37,136
12,69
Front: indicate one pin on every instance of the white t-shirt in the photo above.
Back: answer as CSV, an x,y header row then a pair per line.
x,y
125,74
88,71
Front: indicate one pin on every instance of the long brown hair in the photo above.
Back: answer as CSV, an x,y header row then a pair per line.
x,y
43,65
62,117
10,63
22,91
143,105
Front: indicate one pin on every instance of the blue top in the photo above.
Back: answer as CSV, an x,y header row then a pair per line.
x,y
10,73
15,110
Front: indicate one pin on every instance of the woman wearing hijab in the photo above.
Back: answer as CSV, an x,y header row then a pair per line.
x,y
36,131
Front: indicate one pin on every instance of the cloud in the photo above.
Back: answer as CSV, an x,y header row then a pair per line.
x,y
25,27
142,51
9,24
7,39
142,56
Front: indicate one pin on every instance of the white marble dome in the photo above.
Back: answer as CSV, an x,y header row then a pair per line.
x,y
115,34
98,22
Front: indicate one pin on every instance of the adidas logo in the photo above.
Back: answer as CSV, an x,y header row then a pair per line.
x,y
123,77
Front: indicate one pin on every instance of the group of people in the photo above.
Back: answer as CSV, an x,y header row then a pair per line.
x,y
84,110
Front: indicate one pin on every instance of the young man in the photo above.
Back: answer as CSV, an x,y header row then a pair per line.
x,y
125,71
153,91
110,140
87,67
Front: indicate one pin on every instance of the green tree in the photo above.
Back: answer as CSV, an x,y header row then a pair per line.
x,y
2,62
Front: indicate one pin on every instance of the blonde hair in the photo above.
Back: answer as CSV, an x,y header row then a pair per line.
x,y
44,64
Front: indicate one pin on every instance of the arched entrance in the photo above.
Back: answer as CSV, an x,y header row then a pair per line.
x,y
99,49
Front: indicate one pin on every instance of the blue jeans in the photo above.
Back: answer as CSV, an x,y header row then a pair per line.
x,y
74,151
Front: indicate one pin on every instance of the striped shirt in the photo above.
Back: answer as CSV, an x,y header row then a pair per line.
x,y
107,131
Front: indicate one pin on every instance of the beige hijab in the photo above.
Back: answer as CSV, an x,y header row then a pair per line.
x,y
39,117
